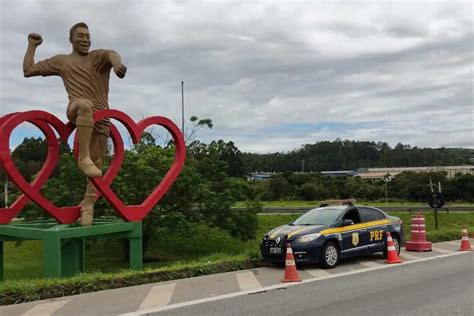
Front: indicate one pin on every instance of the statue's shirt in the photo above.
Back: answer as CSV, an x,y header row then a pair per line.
x,y
84,77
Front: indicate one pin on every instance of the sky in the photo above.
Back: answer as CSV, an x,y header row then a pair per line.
x,y
272,75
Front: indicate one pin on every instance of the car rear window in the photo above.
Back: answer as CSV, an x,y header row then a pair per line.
x,y
369,214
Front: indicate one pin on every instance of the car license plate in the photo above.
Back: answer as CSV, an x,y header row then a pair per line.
x,y
275,250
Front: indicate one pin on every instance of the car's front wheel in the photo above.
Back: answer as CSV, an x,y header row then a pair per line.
x,y
329,255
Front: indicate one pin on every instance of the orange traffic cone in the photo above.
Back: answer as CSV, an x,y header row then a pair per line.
x,y
465,243
392,256
291,274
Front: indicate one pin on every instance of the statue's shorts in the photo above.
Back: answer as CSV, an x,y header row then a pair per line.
x,y
100,127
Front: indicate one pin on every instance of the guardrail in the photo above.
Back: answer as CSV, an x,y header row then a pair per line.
x,y
409,209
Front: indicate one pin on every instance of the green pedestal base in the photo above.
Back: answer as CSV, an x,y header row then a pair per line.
x,y
63,251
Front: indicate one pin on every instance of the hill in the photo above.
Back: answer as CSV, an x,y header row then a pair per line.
x,y
351,154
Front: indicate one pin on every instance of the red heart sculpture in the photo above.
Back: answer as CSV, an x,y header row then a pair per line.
x,y
138,212
4,118
64,215
7,214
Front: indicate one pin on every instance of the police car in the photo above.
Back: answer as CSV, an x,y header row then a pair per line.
x,y
333,231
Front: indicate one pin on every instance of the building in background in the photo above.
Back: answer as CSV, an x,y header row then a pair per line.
x,y
377,173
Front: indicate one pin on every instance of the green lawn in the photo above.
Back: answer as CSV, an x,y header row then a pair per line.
x,y
23,260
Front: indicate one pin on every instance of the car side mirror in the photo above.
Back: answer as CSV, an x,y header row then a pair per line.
x,y
347,222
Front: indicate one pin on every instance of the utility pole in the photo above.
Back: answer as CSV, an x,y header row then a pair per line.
x,y
437,202
433,195
387,178
182,107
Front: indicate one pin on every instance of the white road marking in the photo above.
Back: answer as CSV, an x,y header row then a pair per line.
x,y
408,256
286,285
45,309
369,264
247,280
318,273
159,295
441,250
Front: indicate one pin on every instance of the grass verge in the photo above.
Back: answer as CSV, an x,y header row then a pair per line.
x,y
26,290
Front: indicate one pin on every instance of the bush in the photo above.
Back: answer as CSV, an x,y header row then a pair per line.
x,y
308,192
239,189
278,187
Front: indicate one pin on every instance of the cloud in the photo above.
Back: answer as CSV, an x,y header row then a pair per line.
x,y
364,70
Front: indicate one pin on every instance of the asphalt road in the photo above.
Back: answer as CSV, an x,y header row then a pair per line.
x,y
437,287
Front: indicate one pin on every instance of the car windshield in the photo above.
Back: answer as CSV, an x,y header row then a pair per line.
x,y
319,216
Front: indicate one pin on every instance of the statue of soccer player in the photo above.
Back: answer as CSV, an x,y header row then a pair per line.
x,y
86,78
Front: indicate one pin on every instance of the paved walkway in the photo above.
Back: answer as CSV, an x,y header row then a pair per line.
x,y
143,297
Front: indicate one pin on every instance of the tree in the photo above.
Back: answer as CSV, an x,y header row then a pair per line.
x,y
29,156
202,193
308,192
197,125
463,187
279,187
349,154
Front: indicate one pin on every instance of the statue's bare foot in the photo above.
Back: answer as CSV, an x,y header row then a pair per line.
x,y
89,168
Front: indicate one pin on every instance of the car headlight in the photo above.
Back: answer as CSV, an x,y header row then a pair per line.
x,y
307,238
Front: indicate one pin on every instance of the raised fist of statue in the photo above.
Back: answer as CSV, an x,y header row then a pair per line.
x,y
120,70
35,39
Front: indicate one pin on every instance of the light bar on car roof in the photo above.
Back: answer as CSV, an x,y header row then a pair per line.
x,y
338,202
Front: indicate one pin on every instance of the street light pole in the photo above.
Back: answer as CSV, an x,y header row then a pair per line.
x,y
182,107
